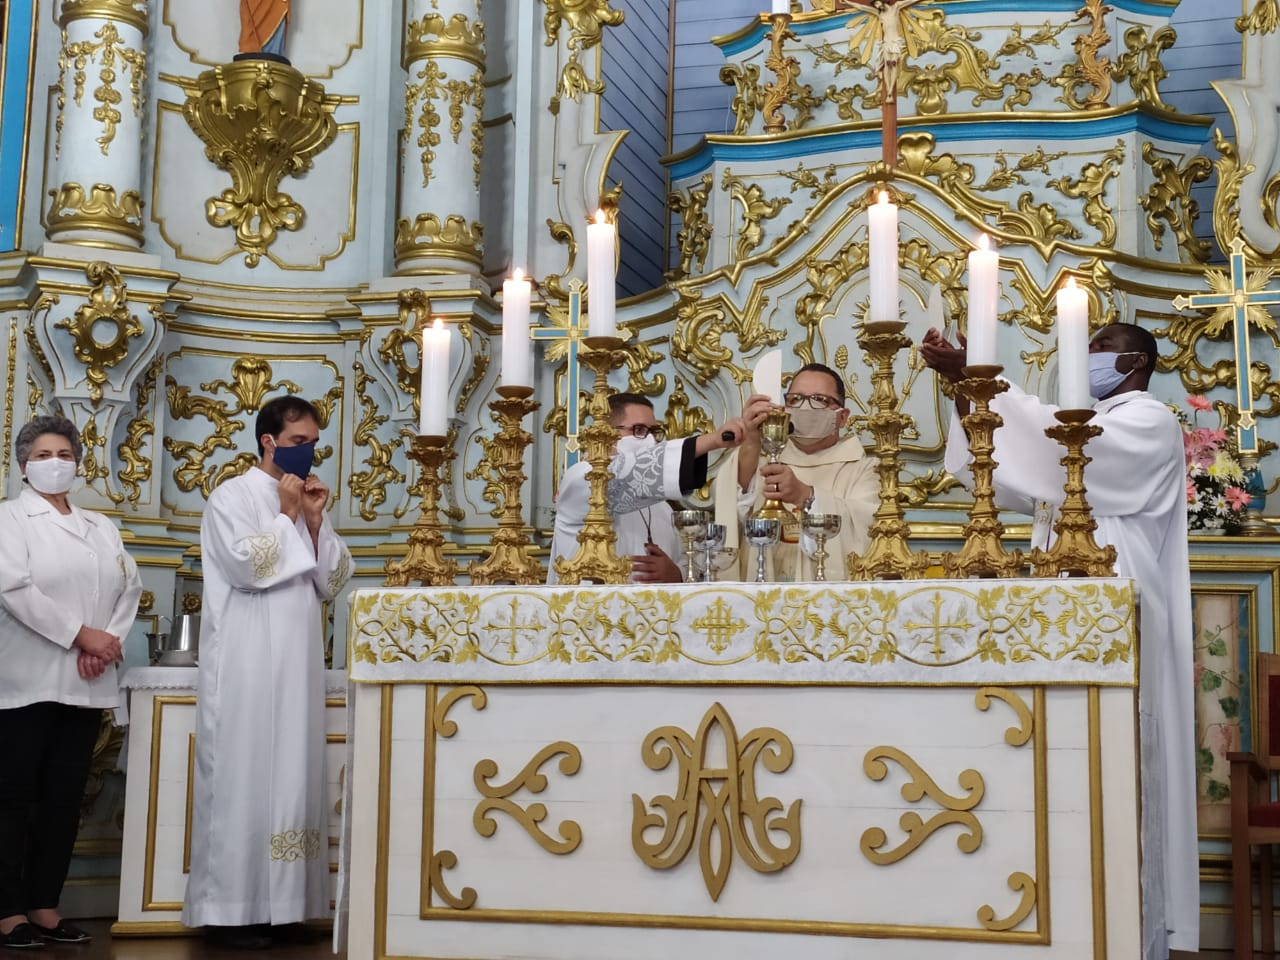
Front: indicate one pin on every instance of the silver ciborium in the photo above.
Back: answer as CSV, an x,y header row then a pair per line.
x,y
691,525
820,526
762,532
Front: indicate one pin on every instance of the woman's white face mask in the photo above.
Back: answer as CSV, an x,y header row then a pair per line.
x,y
52,476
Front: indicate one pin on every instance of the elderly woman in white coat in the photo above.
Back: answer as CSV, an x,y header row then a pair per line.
x,y
68,593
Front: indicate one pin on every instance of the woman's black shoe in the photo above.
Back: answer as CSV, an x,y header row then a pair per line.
x,y
22,937
63,933
237,938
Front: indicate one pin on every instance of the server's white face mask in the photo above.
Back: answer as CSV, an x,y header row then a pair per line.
x,y
51,476
1103,375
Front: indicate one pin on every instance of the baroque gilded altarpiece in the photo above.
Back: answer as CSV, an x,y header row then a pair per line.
x,y
172,266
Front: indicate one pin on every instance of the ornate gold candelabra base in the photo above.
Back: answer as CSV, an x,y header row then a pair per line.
x,y
1253,524
509,560
1075,553
597,560
983,553
425,562
785,69
888,557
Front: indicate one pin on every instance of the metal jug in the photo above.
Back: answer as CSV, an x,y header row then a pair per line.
x,y
180,647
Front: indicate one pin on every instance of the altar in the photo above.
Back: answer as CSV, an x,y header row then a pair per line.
x,y
743,770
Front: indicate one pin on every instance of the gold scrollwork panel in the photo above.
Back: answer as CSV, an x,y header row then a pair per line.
x,y
497,797
107,307
714,805
586,20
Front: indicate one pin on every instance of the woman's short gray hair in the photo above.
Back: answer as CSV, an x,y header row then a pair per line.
x,y
38,428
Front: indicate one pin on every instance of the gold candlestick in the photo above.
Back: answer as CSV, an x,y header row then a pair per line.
x,y
1075,552
425,561
983,553
785,69
509,561
888,557
597,561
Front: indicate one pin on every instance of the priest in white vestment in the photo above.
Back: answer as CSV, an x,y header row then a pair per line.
x,y
818,470
1136,485
259,852
646,474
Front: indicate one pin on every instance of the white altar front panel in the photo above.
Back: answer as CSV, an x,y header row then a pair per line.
x,y
507,819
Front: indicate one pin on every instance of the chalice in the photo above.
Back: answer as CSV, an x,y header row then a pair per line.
x,y
820,526
773,437
691,525
712,541
762,532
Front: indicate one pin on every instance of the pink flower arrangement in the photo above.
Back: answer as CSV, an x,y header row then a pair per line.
x,y
1216,497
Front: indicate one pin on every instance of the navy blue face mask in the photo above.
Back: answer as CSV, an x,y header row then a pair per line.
x,y
296,460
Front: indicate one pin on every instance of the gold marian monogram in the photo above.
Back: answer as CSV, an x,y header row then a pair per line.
x,y
717,805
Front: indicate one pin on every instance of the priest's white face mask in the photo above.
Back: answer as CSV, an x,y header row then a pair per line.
x,y
1103,375
814,424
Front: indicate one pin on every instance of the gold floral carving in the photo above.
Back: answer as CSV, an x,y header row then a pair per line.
x,y
191,602
260,121
369,486
1232,172
694,235
586,20
498,798
716,804
1140,63
955,809
642,357
552,285
436,86
71,207
455,237
748,95
700,327
1003,176
1090,69
251,380
928,486
146,602
131,451
112,56
683,419
107,306
755,211
805,179
1170,200
1263,18
95,462
1091,187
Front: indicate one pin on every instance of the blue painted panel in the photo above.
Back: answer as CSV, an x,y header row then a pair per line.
x,y
18,24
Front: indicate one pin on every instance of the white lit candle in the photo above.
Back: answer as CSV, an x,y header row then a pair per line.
x,y
882,230
433,398
984,268
1073,347
781,6
602,252
516,294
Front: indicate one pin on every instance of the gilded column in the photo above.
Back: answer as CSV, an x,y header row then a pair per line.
x,y
96,189
438,225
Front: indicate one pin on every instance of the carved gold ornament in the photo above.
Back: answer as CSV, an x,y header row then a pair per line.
x,y
131,452
694,236
458,39
1090,69
786,71
748,95
1263,18
106,309
717,805
756,209
369,487
71,207
132,12
455,237
1170,200
956,809
497,797
112,57
435,86
1091,187
260,121
586,20
436,862
1140,63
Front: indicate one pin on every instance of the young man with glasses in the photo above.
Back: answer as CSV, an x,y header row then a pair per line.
x,y
647,472
819,469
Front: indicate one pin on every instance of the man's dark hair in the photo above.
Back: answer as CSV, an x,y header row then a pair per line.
x,y
274,414
619,402
1141,340
823,368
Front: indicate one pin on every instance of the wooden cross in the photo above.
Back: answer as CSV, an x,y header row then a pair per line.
x,y
887,34
564,341
1240,298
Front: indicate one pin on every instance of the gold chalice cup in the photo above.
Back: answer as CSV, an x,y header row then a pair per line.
x,y
762,532
691,525
773,437
820,526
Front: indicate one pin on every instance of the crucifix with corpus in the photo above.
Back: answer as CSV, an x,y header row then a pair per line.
x,y
883,38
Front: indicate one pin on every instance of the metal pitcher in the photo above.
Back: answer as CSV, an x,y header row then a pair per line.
x,y
180,647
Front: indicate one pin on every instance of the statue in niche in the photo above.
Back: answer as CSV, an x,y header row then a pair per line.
x,y
263,24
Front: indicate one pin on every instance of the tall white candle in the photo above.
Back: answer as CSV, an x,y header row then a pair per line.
x,y
781,6
984,269
433,398
882,231
602,252
516,294
1073,347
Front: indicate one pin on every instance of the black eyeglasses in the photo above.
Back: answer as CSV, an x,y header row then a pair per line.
x,y
642,430
814,401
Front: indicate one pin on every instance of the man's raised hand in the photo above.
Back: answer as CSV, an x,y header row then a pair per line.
x,y
290,496
939,355
315,498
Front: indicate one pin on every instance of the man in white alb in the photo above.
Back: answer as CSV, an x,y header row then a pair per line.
x,y
646,473
1136,486
259,855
